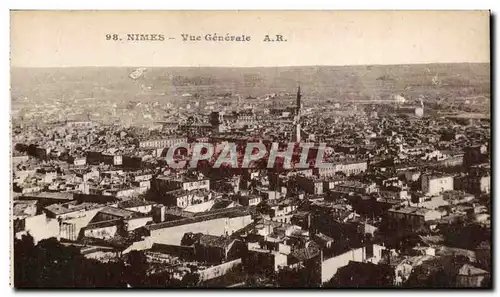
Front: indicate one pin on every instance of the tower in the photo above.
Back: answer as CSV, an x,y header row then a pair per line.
x,y
297,116
298,103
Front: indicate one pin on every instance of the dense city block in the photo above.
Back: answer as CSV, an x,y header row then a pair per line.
x,y
404,200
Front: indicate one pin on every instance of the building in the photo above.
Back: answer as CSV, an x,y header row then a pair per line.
x,y
475,155
410,110
322,240
126,192
38,151
310,185
162,143
211,248
164,183
412,175
329,183
471,277
261,258
185,198
338,257
96,158
19,159
435,184
228,185
78,161
80,124
218,223
457,197
72,217
484,184
24,208
38,226
483,255
475,184
364,275
250,200
355,187
202,128
297,131
168,126
430,202
301,219
411,218
111,221
281,209
137,205
415,150
47,198
143,176
351,167
452,160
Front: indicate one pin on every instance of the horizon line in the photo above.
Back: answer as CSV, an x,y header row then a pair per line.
x,y
279,66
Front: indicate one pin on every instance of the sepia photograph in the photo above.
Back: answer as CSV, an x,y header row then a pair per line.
x,y
250,149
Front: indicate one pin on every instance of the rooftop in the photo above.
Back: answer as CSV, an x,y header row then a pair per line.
x,y
469,270
323,237
118,212
182,178
420,211
436,176
20,206
102,224
352,184
51,195
310,251
202,217
134,203
69,207
215,241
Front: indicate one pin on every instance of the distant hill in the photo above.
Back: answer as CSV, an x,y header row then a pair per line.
x,y
318,82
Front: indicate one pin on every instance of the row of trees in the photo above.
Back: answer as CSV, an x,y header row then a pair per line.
x,y
49,264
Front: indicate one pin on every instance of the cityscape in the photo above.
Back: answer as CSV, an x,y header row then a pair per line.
x,y
373,176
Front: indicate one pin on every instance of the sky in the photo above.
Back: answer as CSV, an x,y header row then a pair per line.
x,y
78,38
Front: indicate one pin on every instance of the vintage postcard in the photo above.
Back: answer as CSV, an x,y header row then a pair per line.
x,y
236,149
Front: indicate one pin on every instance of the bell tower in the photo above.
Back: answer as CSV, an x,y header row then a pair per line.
x,y
297,116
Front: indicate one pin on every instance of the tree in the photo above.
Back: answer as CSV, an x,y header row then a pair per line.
x,y
192,279
57,263
136,268
160,280
24,252
357,274
486,283
436,273
51,264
